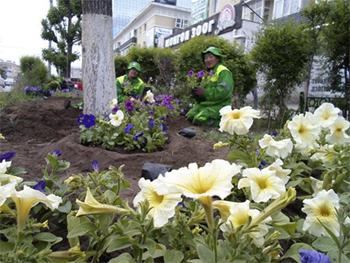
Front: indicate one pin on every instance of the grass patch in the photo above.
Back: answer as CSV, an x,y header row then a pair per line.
x,y
15,96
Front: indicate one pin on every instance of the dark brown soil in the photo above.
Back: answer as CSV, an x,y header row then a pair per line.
x,y
34,129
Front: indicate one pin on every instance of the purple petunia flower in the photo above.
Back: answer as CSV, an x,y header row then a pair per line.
x,y
190,73
95,166
88,120
151,123
262,164
137,136
115,109
312,256
57,152
164,127
40,186
7,156
200,74
129,105
128,127
274,133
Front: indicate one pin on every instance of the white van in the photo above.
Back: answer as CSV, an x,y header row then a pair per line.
x,y
9,83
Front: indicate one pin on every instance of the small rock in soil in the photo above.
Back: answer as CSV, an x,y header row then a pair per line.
x,y
151,171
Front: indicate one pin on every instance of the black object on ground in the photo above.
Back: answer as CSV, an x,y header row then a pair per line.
x,y
188,132
151,171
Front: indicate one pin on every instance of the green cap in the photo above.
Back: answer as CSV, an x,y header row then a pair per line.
x,y
213,50
134,65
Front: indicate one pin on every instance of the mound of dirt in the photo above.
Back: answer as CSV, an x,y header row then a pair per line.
x,y
34,129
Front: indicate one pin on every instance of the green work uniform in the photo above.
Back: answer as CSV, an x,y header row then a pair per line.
x,y
129,87
217,94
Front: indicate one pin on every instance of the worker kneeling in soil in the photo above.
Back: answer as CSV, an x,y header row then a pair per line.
x,y
216,93
130,85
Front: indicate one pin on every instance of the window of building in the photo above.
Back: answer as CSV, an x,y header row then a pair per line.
x,y
181,23
257,6
135,32
144,27
285,8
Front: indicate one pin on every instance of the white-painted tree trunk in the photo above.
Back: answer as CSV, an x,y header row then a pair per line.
x,y
98,63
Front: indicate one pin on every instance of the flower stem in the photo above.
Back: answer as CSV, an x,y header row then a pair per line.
x,y
209,215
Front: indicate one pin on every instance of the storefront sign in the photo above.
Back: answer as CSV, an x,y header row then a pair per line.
x,y
228,19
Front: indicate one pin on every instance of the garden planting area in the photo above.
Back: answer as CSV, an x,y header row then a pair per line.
x,y
35,128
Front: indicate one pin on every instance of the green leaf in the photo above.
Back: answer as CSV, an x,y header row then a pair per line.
x,y
324,244
123,258
47,237
237,155
63,165
173,256
6,247
333,256
118,243
80,228
205,254
331,234
110,196
66,208
293,251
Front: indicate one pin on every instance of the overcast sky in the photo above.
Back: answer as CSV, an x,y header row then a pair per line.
x,y
20,28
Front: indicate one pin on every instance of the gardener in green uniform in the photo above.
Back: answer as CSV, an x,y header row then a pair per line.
x,y
130,85
216,93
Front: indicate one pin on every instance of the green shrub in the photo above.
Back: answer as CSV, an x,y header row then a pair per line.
x,y
120,64
189,56
165,60
34,71
146,58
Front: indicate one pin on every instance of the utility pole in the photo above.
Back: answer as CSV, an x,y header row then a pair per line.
x,y
50,45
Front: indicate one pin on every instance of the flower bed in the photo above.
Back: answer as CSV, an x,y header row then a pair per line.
x,y
134,125
223,211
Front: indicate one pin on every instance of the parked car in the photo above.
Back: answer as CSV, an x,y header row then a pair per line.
x,y
2,83
77,83
7,85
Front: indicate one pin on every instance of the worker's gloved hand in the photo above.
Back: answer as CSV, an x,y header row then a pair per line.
x,y
199,92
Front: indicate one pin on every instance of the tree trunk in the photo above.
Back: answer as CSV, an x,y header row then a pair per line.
x,y
97,64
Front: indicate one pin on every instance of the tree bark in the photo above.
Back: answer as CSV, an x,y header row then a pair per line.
x,y
97,63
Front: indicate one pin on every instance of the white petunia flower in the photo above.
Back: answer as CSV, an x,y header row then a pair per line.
x,y
113,103
321,208
276,167
279,149
213,179
237,121
316,185
338,131
325,154
149,97
8,178
239,216
162,205
326,114
91,206
304,129
6,191
27,198
116,119
224,208
264,184
4,165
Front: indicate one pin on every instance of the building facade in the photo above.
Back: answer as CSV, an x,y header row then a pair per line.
x,y
199,11
124,11
152,24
